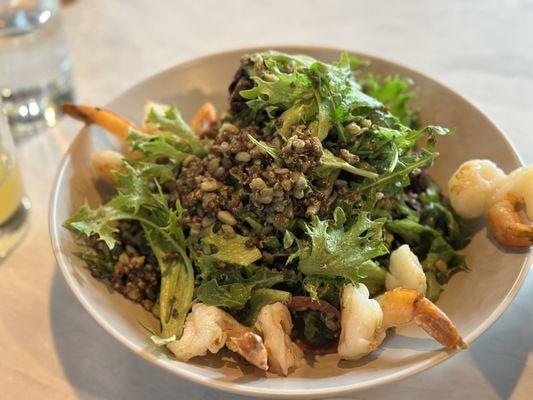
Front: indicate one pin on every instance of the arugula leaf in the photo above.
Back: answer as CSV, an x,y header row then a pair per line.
x,y
330,163
399,178
339,252
411,232
232,250
271,151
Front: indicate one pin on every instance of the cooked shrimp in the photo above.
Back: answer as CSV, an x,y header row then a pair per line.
x,y
401,306
471,185
108,120
361,320
204,118
506,225
105,162
275,324
518,183
405,271
208,328
479,185
364,321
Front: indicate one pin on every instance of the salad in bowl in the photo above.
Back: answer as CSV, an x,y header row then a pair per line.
x,y
300,220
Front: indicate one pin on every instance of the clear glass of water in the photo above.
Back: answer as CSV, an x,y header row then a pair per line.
x,y
34,64
14,205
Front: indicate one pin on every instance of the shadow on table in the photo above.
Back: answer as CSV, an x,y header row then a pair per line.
x,y
502,354
98,366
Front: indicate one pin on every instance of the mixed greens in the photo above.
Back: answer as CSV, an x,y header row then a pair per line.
x,y
315,174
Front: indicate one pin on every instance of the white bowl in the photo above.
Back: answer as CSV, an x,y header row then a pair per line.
x,y
473,300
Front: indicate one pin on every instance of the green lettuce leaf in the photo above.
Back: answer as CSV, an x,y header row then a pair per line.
x,y
395,93
336,251
235,291
161,225
169,120
158,146
233,295
232,250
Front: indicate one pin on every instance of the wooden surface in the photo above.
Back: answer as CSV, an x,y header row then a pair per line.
x,y
50,348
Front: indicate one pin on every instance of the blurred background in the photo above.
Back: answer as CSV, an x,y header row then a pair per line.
x,y
92,50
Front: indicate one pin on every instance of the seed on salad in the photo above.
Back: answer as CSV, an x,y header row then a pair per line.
x,y
379,195
209,185
257,59
341,183
229,128
299,193
291,65
219,173
279,207
266,192
188,160
226,217
349,157
286,184
270,77
297,144
257,184
312,210
308,95
243,156
267,257
300,182
224,146
441,265
366,123
228,230
265,199
207,221
282,171
353,128
195,229
213,164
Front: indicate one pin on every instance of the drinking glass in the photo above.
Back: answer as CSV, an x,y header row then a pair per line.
x,y
14,205
34,64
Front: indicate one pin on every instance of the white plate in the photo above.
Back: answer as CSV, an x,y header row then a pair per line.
x,y
472,300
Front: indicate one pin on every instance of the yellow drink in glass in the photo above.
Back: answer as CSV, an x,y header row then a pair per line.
x,y
14,205
11,191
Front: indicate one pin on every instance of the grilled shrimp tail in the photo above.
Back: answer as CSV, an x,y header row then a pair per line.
x,y
506,225
402,305
435,322
108,120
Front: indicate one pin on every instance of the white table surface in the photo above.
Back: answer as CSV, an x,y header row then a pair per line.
x,y
50,348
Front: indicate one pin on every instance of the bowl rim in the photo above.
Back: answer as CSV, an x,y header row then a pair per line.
x,y
236,387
